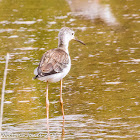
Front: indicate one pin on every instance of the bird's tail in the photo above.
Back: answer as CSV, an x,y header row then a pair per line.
x,y
35,77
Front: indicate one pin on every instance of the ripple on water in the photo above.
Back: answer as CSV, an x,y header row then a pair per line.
x,y
132,61
30,40
75,127
113,83
9,91
7,102
61,17
136,60
13,36
6,30
24,101
28,89
24,22
26,48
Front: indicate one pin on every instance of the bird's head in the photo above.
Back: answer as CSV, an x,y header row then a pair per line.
x,y
65,35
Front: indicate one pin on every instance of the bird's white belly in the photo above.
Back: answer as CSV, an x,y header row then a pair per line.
x,y
55,77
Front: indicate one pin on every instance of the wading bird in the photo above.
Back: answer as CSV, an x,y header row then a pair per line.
x,y
55,64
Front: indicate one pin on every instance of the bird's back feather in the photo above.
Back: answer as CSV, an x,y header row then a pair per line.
x,y
52,62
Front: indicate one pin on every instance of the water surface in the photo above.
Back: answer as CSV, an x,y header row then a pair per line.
x,y
101,92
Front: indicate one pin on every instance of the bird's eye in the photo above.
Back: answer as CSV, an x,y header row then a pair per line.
x,y
72,33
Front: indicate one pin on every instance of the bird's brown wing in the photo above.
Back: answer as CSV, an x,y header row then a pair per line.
x,y
53,61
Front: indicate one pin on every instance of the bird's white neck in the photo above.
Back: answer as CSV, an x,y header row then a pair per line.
x,y
64,46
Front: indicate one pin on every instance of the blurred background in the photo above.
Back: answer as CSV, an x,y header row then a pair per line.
x,y
100,93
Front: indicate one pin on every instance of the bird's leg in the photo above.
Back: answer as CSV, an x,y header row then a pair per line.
x,y
61,100
47,108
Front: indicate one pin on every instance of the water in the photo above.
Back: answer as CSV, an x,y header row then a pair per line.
x,y
101,92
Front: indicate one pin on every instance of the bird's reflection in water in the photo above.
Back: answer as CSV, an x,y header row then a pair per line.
x,y
92,9
63,132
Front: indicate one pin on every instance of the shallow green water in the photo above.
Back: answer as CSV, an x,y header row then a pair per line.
x,y
101,92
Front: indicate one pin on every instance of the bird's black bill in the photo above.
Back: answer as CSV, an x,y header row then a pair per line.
x,y
80,41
